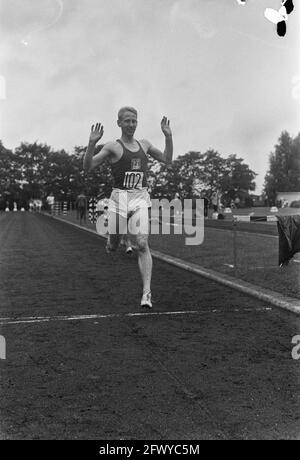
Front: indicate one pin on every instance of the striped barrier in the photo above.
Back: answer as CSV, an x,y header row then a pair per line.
x,y
56,208
93,210
65,208
255,219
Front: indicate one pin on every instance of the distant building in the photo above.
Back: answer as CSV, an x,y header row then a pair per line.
x,y
288,197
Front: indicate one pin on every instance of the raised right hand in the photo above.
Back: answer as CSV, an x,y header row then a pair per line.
x,y
97,131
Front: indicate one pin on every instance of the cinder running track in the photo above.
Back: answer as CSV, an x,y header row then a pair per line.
x,y
83,363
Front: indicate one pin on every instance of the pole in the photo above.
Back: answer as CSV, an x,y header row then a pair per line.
x,y
235,245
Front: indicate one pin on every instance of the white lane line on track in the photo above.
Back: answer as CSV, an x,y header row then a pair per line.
x,y
48,319
254,268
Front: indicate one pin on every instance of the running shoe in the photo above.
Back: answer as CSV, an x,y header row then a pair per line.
x,y
129,250
146,300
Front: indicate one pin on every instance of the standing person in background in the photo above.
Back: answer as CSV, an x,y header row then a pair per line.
x,y
214,201
237,202
50,202
205,204
81,206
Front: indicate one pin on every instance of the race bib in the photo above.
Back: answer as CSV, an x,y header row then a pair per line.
x,y
133,180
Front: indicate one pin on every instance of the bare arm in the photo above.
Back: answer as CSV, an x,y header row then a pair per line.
x,y
90,161
167,155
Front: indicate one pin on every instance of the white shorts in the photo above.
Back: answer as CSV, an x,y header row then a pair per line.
x,y
126,202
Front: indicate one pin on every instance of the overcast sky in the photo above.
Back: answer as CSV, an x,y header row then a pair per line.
x,y
216,69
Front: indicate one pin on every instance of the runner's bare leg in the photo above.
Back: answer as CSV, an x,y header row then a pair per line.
x,y
139,226
145,261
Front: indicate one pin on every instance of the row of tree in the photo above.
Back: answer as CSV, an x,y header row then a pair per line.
x,y
36,170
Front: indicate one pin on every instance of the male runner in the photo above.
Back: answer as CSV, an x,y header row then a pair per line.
x,y
130,197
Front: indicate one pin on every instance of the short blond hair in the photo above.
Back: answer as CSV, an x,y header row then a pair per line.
x,y
126,109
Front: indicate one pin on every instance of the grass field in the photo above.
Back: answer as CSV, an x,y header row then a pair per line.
x,y
257,254
257,258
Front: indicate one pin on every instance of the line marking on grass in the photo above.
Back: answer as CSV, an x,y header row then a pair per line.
x,y
275,299
253,268
50,319
244,232
265,295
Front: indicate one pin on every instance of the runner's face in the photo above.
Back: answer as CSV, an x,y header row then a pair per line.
x,y
128,124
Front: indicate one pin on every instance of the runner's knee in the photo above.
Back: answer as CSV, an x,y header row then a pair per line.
x,y
142,243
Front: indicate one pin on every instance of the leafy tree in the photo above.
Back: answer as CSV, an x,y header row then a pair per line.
x,y
237,180
30,167
36,170
195,174
284,167
213,171
188,176
9,185
43,170
183,176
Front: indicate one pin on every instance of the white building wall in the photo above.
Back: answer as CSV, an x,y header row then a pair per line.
x,y
288,196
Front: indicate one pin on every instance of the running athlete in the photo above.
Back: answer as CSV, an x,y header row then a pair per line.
x,y
130,198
